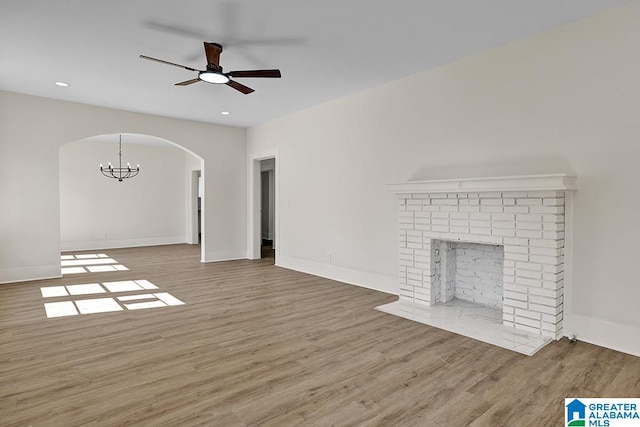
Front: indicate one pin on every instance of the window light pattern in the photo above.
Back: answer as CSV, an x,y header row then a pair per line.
x,y
89,263
105,304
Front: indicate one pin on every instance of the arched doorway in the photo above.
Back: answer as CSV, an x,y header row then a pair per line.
x,y
157,207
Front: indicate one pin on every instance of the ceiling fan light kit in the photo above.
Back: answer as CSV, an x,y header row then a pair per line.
x,y
214,74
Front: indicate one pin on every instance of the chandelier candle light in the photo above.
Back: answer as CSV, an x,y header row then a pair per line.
x,y
119,173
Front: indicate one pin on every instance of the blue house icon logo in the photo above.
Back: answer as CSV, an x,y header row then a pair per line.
x,y
576,413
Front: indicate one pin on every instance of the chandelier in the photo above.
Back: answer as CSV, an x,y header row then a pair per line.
x,y
119,173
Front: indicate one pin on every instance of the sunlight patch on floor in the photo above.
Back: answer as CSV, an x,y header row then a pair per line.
x,y
105,305
88,263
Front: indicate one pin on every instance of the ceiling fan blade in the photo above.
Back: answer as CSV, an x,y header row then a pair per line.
x,y
213,51
239,87
187,82
167,62
256,73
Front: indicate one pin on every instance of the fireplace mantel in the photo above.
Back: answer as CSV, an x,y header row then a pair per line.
x,y
549,182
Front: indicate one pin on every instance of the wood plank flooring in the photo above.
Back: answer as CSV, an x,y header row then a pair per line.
x,y
258,345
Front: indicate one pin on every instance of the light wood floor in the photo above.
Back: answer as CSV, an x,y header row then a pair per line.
x,y
260,345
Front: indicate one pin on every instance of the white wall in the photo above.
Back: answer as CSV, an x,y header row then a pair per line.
x,y
98,213
563,101
32,131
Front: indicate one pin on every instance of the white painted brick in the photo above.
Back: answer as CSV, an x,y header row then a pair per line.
x,y
508,317
483,224
508,202
548,268
520,320
406,294
474,202
460,222
469,209
480,231
490,195
449,209
503,232
423,253
553,235
508,280
508,324
503,217
552,218
414,277
414,239
452,195
529,274
414,202
403,244
516,257
493,240
406,263
438,195
421,196
503,224
490,202
516,288
553,202
516,242
421,264
491,209
462,195
546,251
439,215
553,227
523,225
529,234
413,233
543,292
459,216
509,310
459,229
508,271
414,245
515,295
529,217
406,226
546,309
516,209
545,243
528,314
414,208
406,220
515,303
406,257
432,234
545,259
553,277
414,282
529,201
422,221
442,202
422,214
551,319
547,209
440,221
431,208
514,194
440,228
480,216
516,249
528,282
529,266
509,264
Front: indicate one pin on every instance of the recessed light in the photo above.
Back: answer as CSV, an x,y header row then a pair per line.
x,y
225,113
63,84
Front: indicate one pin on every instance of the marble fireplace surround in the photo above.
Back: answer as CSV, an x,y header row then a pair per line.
x,y
524,214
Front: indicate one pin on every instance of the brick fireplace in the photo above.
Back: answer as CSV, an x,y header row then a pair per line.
x,y
521,218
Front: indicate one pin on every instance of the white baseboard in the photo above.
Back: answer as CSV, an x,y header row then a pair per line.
x,y
615,336
229,255
87,245
365,279
24,274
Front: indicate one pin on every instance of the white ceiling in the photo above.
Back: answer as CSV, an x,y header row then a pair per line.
x,y
325,49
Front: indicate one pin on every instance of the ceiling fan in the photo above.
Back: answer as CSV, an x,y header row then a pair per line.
x,y
213,72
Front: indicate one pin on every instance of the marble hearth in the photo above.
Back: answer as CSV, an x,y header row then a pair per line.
x,y
522,218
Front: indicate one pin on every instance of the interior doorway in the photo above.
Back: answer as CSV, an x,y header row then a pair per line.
x,y
267,208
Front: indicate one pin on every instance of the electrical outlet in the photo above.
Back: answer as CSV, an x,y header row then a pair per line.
x,y
103,235
329,257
